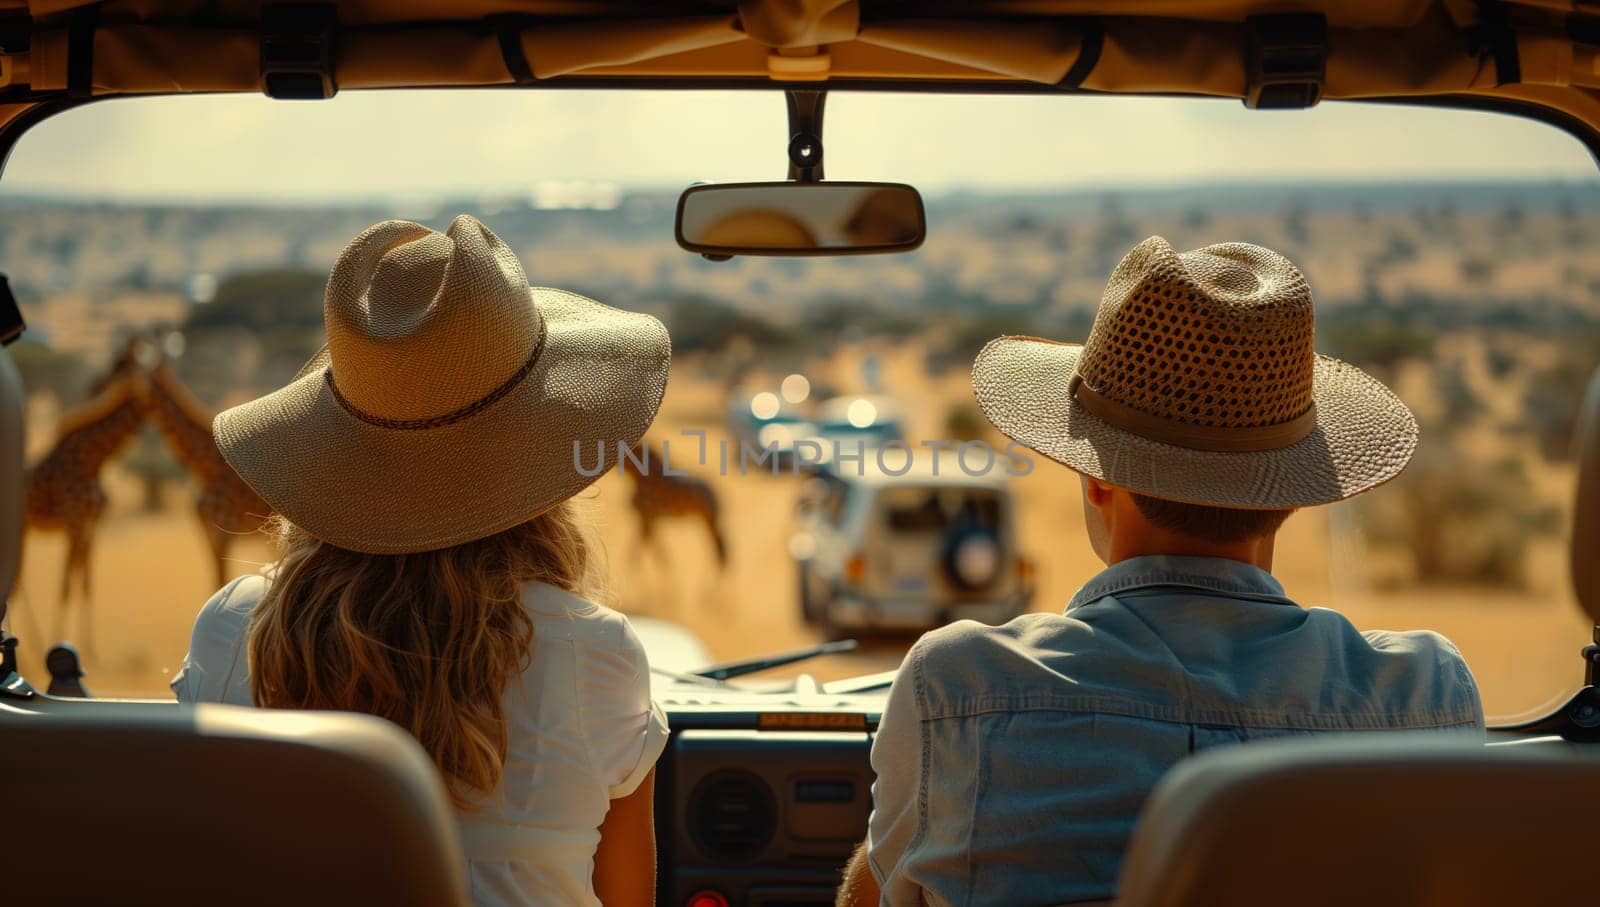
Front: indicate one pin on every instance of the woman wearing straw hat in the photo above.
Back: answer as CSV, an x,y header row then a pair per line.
x,y
1012,761
434,570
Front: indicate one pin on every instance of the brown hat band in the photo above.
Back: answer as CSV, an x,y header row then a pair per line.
x,y
450,418
1195,437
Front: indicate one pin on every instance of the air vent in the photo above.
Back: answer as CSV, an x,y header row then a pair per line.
x,y
732,816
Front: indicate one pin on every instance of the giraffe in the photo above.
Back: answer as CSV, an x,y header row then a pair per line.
x,y
657,494
228,508
64,491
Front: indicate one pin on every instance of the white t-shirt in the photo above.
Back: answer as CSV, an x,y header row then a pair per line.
x,y
582,727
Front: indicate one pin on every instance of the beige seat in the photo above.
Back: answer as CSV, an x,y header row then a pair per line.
x,y
150,803
1386,821
1411,820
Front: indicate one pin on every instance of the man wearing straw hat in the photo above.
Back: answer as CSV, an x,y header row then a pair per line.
x,y
1012,761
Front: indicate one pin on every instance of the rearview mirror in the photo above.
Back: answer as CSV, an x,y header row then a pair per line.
x,y
798,218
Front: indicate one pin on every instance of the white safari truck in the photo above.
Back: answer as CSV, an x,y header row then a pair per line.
x,y
883,544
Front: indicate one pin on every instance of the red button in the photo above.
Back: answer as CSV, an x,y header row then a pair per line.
x,y
706,899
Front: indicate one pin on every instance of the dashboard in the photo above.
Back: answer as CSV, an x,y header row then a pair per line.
x,y
762,797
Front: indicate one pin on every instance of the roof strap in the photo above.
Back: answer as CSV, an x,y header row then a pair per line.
x,y
508,30
1494,38
1090,44
80,51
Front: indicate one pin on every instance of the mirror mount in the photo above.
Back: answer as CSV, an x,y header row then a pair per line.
x,y
805,134
804,214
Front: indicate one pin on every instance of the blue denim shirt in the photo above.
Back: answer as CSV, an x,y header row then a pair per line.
x,y
1012,761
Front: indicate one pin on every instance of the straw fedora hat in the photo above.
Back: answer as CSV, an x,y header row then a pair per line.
x,y
1199,384
450,399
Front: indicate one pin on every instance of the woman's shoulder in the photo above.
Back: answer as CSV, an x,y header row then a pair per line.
x,y
213,669
586,623
232,603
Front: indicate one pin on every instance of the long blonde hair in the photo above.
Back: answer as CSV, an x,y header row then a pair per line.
x,y
429,641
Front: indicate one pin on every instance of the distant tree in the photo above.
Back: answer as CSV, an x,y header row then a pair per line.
x,y
63,376
1020,224
261,301
1500,355
1459,405
701,323
1296,226
1375,342
1477,269
963,422
1398,249
1553,394
1511,218
1460,519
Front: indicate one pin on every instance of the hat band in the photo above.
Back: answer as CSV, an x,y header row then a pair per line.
x,y
452,417
1250,439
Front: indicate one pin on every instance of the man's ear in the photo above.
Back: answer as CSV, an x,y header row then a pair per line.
x,y
1098,492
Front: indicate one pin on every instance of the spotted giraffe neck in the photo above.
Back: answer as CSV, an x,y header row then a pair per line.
x,y
98,430
186,424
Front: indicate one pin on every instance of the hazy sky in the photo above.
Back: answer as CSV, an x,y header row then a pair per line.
x,y
432,143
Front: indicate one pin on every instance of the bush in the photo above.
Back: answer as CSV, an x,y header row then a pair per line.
x,y
700,323
963,422
1461,520
45,370
1375,342
261,301
1550,402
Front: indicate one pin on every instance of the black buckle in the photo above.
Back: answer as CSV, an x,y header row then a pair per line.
x,y
1286,60
11,323
16,33
297,51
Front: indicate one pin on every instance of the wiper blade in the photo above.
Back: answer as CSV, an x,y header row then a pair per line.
x,y
867,683
680,677
732,669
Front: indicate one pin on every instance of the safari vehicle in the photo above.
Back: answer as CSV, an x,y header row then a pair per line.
x,y
764,790
912,547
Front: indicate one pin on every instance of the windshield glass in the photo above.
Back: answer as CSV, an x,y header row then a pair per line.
x,y
1448,252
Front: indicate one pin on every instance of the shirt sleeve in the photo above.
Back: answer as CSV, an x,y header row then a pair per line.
x,y
625,730
897,801
215,669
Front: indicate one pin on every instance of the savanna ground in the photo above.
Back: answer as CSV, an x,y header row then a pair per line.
x,y
152,571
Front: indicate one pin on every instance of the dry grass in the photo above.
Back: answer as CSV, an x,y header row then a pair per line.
x,y
152,573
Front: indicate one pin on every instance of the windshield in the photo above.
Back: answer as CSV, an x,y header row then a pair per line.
x,y
1448,251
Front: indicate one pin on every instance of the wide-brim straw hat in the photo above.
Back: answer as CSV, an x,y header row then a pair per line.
x,y
451,398
1199,384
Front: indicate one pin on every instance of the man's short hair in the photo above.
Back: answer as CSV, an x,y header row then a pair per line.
x,y
1212,524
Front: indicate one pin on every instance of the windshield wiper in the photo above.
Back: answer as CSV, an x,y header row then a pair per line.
x,y
680,677
731,669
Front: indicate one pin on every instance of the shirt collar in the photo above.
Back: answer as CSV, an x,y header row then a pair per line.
x,y
1211,574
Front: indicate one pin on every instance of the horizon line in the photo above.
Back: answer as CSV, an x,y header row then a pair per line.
x,y
1032,191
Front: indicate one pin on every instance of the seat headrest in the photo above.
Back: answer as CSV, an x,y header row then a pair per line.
x,y
153,803
13,484
1586,510
1379,820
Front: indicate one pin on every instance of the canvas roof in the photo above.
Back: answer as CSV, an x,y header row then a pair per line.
x,y
1530,50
